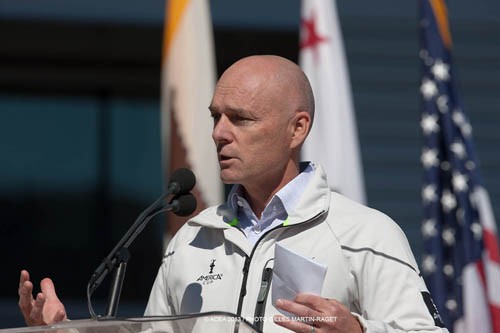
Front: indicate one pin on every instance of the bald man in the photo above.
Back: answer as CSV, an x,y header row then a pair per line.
x,y
223,258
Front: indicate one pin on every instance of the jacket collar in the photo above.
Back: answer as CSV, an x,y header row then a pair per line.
x,y
314,200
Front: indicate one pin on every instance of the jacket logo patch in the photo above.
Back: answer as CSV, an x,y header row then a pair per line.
x,y
432,309
211,277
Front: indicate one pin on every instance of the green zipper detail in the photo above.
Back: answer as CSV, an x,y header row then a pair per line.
x,y
234,222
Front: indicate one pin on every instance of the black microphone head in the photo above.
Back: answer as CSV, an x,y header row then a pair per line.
x,y
182,181
184,204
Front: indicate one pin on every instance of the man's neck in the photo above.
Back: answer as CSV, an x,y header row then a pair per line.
x,y
259,194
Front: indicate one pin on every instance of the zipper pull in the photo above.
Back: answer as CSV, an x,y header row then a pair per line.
x,y
245,275
267,276
260,308
243,290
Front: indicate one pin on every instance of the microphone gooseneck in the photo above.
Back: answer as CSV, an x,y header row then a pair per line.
x,y
183,203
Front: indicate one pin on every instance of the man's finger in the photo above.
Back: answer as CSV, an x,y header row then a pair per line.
x,y
25,289
293,325
301,311
36,315
48,289
322,305
25,276
316,302
26,297
59,316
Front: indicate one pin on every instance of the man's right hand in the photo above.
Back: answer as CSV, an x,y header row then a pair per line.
x,y
46,308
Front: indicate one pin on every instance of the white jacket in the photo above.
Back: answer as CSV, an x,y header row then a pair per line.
x,y
211,266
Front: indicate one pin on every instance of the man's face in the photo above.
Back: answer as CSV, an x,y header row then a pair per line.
x,y
252,130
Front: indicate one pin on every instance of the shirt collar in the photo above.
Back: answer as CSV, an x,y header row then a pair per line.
x,y
284,200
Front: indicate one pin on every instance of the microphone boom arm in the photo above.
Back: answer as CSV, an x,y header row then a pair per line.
x,y
118,258
110,260
183,203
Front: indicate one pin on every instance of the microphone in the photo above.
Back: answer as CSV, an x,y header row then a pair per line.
x,y
182,204
182,181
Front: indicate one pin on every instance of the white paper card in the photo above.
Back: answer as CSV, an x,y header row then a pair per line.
x,y
294,274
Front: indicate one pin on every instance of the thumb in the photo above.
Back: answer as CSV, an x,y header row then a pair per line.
x,y
59,316
48,289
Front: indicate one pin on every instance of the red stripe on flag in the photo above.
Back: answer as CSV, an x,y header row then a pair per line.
x,y
482,274
495,318
494,310
491,244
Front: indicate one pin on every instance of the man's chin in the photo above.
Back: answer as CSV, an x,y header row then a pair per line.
x,y
228,177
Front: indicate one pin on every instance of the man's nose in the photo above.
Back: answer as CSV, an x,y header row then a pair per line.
x,y
221,131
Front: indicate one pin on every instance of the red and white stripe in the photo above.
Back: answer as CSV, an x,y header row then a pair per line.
x,y
481,280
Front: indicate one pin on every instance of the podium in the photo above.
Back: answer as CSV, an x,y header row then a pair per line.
x,y
209,322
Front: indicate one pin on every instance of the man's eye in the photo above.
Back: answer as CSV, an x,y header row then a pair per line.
x,y
215,117
240,120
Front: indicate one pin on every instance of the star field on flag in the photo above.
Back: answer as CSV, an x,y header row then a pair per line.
x,y
460,263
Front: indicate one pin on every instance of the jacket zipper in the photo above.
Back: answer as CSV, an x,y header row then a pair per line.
x,y
243,290
265,284
248,259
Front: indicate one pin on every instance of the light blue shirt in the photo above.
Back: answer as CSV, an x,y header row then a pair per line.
x,y
276,211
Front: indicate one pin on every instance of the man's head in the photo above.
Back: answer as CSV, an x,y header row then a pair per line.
x,y
263,108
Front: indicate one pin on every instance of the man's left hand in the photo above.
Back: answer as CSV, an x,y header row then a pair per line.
x,y
314,314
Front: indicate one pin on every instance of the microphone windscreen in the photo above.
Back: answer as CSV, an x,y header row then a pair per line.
x,y
183,179
186,204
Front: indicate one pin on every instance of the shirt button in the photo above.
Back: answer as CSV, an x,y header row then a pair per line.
x,y
257,229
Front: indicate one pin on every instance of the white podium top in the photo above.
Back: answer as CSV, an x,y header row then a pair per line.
x,y
216,322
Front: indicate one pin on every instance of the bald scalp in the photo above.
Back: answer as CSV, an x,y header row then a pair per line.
x,y
283,76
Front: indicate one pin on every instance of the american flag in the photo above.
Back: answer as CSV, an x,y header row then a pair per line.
x,y
461,262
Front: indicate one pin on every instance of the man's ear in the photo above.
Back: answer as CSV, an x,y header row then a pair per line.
x,y
301,125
